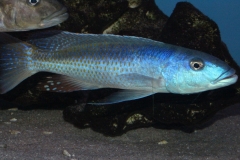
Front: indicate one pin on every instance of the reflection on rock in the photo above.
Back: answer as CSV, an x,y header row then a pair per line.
x,y
134,3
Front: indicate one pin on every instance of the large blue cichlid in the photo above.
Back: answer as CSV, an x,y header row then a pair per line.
x,y
139,66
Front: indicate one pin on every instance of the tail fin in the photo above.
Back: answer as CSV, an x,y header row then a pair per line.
x,y
14,60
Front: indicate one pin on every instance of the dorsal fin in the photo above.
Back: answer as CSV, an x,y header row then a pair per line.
x,y
50,40
54,40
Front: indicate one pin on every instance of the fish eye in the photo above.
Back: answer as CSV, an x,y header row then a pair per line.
x,y
33,2
196,64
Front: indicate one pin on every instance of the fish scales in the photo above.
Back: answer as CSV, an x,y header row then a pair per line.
x,y
103,62
139,66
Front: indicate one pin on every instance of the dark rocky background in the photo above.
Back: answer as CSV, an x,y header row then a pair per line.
x,y
186,26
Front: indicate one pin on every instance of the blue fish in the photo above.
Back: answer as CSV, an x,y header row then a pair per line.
x,y
139,66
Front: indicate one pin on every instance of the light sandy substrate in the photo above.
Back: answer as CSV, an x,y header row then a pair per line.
x,y
43,134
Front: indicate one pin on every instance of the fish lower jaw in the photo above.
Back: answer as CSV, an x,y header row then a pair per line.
x,y
225,81
230,79
55,18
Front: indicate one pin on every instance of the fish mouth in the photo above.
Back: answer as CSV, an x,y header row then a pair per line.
x,y
55,18
227,78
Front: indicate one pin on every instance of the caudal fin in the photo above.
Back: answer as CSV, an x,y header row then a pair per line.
x,y
15,57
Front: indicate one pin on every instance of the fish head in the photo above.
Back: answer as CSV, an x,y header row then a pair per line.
x,y
197,72
33,14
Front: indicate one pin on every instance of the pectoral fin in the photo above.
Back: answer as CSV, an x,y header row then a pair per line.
x,y
125,95
143,81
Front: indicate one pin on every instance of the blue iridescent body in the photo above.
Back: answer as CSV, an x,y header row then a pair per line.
x,y
139,66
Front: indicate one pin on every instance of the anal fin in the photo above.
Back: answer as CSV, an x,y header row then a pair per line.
x,y
62,83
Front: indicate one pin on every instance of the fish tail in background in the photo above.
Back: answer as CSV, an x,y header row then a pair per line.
x,y
14,62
